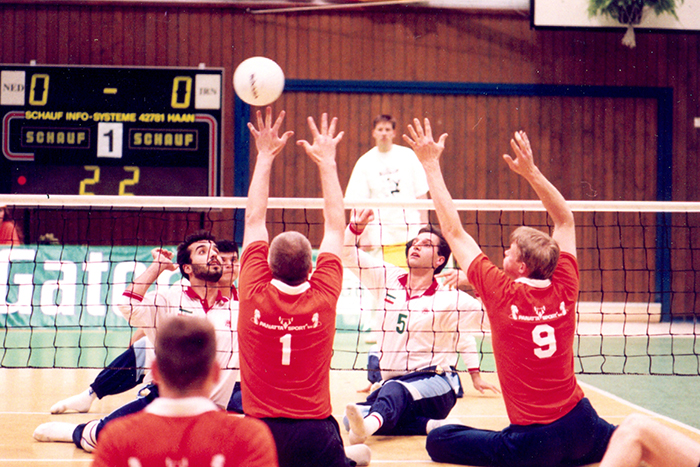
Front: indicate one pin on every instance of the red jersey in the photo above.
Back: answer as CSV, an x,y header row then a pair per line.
x,y
533,323
285,337
190,432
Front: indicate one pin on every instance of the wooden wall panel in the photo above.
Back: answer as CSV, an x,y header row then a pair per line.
x,y
592,148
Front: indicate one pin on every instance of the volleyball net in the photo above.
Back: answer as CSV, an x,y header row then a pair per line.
x,y
639,267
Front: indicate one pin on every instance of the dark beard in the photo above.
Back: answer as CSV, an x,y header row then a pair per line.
x,y
204,273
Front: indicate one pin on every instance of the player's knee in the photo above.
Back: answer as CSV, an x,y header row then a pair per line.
x,y
436,446
632,429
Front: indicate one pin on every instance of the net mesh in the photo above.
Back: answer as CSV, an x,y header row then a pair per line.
x,y
640,284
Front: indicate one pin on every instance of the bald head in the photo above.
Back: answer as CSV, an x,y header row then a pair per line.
x,y
290,258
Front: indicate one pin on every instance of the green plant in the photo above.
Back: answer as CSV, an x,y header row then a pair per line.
x,y
630,12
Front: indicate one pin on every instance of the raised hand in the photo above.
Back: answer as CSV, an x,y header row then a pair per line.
x,y
422,142
164,259
524,163
360,218
324,142
266,135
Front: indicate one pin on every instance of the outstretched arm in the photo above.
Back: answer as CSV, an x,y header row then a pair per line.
x,y
464,247
269,145
322,152
564,227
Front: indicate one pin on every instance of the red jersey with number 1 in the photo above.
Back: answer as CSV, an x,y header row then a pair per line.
x,y
285,337
533,323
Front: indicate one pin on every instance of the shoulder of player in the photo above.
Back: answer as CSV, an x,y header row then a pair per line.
x,y
328,259
259,247
567,256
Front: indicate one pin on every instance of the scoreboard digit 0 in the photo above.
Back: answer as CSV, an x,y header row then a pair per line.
x,y
110,130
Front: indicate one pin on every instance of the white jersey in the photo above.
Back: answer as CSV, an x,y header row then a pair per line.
x,y
394,175
144,312
422,331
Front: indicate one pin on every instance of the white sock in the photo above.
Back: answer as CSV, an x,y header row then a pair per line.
x,y
361,428
360,453
55,432
80,402
432,424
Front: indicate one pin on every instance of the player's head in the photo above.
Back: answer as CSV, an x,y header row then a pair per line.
x,y
228,251
290,258
198,256
384,132
384,118
532,254
429,245
185,350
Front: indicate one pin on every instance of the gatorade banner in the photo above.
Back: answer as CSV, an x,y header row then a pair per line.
x,y
57,286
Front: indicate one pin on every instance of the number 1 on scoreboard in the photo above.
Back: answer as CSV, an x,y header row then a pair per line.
x,y
109,139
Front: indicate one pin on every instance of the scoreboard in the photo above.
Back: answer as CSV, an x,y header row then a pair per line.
x,y
110,130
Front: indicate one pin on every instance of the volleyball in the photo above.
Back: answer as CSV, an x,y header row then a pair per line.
x,y
258,81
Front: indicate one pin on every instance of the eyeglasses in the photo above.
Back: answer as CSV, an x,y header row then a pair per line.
x,y
423,243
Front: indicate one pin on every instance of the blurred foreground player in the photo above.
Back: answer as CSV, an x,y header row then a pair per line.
x,y
191,430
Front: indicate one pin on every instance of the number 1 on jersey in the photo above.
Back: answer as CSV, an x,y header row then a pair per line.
x,y
286,341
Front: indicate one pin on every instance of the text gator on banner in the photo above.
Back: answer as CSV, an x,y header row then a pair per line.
x,y
49,285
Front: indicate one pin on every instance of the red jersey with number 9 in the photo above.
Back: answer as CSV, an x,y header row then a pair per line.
x,y
285,337
533,323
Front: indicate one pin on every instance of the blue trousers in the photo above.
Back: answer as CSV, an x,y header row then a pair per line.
x,y
123,373
407,402
578,438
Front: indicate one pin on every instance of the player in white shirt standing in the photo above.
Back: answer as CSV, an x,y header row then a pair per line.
x,y
424,329
389,172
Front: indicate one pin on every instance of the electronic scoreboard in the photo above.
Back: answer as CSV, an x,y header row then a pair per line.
x,y
110,130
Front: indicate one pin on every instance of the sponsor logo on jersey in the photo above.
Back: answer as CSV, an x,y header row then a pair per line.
x,y
540,313
286,324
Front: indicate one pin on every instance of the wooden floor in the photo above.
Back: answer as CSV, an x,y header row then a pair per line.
x,y
28,394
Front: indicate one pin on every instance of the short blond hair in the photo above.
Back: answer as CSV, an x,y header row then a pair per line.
x,y
538,251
